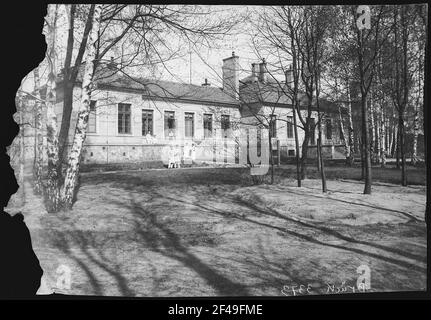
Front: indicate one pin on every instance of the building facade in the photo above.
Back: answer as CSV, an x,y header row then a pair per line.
x,y
134,120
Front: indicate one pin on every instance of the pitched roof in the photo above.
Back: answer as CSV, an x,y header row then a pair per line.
x,y
269,92
112,79
273,92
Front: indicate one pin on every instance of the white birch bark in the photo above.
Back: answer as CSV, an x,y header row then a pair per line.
x,y
415,136
72,173
350,126
38,163
20,109
52,191
382,137
346,140
373,132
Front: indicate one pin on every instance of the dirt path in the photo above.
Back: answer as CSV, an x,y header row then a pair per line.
x,y
129,234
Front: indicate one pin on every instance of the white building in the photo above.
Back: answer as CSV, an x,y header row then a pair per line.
x,y
133,120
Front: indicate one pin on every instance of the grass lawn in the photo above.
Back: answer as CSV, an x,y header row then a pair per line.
x,y
206,232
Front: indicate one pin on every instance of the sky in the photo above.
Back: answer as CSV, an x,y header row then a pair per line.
x,y
198,64
207,62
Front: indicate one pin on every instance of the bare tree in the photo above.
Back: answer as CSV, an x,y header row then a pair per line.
x,y
38,162
52,191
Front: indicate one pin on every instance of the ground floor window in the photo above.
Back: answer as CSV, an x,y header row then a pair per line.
x,y
225,125
328,125
289,127
169,124
147,122
208,125
91,127
124,115
273,126
189,124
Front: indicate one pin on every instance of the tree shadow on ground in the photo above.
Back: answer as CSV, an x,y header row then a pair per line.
x,y
329,231
299,235
155,235
85,242
368,205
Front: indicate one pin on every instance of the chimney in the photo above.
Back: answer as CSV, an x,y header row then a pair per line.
x,y
263,71
206,84
289,76
231,76
254,72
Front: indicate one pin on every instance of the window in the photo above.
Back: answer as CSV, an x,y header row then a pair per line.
x,y
289,127
291,152
273,126
124,124
91,127
169,124
189,124
328,128
208,125
147,122
225,125
312,131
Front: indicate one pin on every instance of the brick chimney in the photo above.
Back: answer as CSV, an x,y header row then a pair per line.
x,y
206,83
254,72
263,72
289,76
231,75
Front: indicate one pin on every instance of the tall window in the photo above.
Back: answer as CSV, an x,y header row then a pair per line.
x,y
189,124
328,128
312,131
169,124
225,125
124,115
147,122
208,125
289,127
273,126
91,127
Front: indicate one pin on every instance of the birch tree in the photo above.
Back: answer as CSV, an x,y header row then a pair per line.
x,y
368,44
72,172
38,163
52,198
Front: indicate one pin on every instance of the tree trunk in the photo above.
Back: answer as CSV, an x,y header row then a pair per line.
x,y
38,163
295,128
402,149
70,76
304,149
320,157
271,152
377,123
397,146
65,123
366,146
350,131
394,140
72,172
52,192
21,147
415,137
373,134
361,147
382,139
343,134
